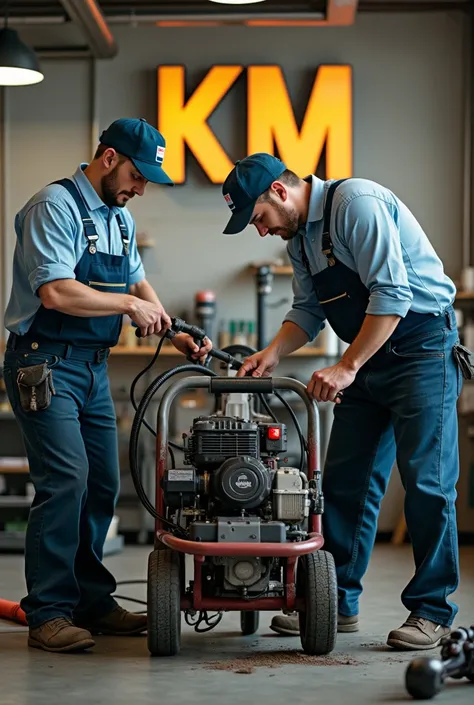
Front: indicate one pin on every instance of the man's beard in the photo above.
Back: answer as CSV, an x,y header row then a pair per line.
x,y
110,192
290,222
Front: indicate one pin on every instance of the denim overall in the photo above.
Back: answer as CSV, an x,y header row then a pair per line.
x,y
72,445
401,407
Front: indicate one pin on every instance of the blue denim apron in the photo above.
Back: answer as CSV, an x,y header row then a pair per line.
x,y
101,271
343,296
72,445
401,407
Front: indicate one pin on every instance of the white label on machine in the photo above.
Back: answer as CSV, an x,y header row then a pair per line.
x,y
181,475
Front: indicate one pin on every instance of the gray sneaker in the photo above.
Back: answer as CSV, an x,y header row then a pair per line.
x,y
417,634
288,625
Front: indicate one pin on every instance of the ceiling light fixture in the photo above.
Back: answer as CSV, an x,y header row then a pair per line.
x,y
18,63
237,2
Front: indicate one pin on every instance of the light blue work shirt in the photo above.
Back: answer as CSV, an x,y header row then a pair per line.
x,y
374,234
51,241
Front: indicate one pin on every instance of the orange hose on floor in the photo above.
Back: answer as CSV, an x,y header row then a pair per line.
x,y
12,611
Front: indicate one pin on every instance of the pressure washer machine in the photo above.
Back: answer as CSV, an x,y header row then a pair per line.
x,y
249,520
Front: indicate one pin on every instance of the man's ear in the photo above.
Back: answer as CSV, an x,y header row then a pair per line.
x,y
279,190
109,158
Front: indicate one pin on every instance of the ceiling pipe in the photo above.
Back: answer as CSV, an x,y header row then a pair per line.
x,y
134,18
88,16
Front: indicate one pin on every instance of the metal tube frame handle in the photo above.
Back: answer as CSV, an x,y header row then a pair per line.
x,y
252,384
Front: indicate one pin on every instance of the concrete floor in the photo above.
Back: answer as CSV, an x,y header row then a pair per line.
x,y
120,671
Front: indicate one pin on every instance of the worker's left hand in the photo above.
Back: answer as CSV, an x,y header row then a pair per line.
x,y
326,383
185,344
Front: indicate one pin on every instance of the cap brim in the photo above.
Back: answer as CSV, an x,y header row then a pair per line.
x,y
239,220
153,173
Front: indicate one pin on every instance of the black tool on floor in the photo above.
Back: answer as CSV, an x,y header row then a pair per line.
x,y
425,677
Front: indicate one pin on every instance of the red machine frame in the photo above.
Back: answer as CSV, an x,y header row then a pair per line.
x,y
200,550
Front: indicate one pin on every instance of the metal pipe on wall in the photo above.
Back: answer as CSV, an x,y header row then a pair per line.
x,y
94,103
4,204
468,145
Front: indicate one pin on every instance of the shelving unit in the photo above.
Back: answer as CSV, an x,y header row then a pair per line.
x,y
464,296
169,351
14,469
283,270
15,540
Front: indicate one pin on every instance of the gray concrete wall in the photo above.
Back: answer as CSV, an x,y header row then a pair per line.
x,y
407,120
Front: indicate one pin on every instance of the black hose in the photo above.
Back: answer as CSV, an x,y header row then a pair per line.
x,y
303,443
138,421
134,404
140,412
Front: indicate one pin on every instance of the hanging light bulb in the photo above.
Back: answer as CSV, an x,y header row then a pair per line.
x,y
18,63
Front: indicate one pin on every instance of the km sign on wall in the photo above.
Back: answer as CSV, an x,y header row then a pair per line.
x,y
271,124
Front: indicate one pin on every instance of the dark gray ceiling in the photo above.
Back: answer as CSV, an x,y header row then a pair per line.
x,y
37,9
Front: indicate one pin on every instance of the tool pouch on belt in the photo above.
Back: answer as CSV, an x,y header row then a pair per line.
x,y
35,384
465,360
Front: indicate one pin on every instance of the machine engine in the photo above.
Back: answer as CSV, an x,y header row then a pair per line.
x,y
233,471
232,490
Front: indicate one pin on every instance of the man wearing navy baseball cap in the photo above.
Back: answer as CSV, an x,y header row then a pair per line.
x,y
142,144
362,262
250,178
76,274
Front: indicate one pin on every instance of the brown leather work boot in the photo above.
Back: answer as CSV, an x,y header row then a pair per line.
x,y
417,634
118,622
61,636
288,625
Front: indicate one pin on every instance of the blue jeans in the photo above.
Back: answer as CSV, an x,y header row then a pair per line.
x,y
73,458
402,406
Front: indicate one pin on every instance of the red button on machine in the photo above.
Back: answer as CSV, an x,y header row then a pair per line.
x,y
274,433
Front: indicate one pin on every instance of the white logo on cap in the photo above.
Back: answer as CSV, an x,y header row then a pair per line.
x,y
229,201
160,153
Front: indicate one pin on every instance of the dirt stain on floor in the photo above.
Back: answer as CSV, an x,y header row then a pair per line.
x,y
276,659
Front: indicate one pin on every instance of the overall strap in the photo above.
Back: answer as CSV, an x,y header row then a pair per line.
x,y
89,226
326,241
304,256
123,235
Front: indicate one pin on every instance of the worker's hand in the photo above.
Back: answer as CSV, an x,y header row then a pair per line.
x,y
261,364
326,383
150,317
185,344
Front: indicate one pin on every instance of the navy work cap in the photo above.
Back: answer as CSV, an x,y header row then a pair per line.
x,y
142,144
247,181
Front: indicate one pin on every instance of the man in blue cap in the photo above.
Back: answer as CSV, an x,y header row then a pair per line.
x,y
362,262
76,273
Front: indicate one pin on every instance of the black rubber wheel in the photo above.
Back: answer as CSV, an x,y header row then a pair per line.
x,y
424,678
316,583
164,609
249,622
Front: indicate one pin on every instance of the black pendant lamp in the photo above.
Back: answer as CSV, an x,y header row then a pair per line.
x,y
18,63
